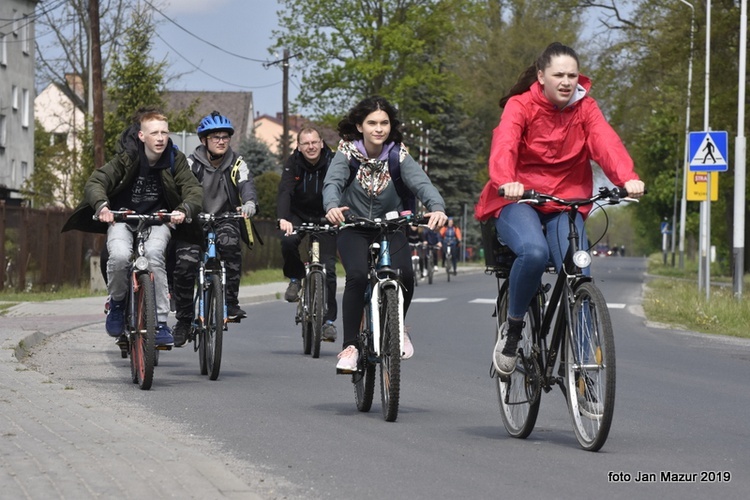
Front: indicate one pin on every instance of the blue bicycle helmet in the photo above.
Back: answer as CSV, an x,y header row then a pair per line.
x,y
214,122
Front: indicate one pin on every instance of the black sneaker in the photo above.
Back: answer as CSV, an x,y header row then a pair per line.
x,y
234,313
181,332
292,291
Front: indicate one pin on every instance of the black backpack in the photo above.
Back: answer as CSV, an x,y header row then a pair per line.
x,y
394,168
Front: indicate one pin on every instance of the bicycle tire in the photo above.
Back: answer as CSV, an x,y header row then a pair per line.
x,y
316,313
430,268
390,354
364,377
307,330
519,394
448,266
214,328
143,335
417,274
589,367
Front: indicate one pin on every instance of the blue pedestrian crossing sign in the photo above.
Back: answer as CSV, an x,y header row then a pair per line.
x,y
708,152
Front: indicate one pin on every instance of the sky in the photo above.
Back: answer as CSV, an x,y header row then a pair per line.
x,y
241,27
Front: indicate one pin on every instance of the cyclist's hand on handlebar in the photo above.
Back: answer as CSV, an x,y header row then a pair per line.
x,y
336,215
177,217
436,219
513,190
635,188
286,226
105,215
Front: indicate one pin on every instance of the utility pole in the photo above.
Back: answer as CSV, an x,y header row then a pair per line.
x,y
740,165
284,61
96,94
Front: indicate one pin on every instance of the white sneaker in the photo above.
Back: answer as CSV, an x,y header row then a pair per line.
x,y
408,347
348,359
504,365
436,268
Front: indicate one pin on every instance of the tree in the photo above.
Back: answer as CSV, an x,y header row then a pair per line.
x,y
257,156
267,185
48,184
348,50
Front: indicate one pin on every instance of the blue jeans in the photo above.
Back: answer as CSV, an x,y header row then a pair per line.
x,y
521,228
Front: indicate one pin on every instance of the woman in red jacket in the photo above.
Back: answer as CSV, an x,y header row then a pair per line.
x,y
549,133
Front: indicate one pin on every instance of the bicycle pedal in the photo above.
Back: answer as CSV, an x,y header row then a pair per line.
x,y
164,348
339,371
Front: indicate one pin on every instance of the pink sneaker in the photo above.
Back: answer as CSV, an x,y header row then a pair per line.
x,y
348,359
408,347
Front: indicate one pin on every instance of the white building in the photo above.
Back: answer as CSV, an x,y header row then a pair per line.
x,y
16,96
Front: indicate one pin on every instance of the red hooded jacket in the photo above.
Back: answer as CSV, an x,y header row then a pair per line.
x,y
549,149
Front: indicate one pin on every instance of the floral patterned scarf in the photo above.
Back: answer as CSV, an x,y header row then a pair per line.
x,y
373,174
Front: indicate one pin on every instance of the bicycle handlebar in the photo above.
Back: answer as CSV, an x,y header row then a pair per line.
x,y
131,215
613,196
396,221
206,217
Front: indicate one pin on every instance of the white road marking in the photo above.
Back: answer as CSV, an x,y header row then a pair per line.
x,y
482,301
427,300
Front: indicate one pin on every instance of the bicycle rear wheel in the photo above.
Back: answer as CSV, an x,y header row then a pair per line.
x,y
214,328
390,354
519,394
316,312
142,342
589,367
364,377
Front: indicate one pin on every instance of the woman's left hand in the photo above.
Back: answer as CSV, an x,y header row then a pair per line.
x,y
436,219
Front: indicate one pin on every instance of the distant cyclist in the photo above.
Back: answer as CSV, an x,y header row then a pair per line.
x,y
550,131
228,186
300,199
450,235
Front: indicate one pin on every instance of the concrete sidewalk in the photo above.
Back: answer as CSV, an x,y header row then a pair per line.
x,y
55,443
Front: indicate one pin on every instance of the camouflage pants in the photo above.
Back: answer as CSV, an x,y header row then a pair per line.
x,y
188,255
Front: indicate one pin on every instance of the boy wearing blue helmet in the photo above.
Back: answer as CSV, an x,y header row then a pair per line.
x,y
227,186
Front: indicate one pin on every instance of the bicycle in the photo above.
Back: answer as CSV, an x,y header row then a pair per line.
x,y
381,336
312,305
140,305
448,260
582,336
209,302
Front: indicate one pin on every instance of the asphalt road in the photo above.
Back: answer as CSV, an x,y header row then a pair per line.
x,y
681,406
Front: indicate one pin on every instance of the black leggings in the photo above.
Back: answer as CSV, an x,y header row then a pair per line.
x,y
353,247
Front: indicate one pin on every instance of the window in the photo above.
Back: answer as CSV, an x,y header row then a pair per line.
x,y
24,170
16,17
25,108
14,97
3,50
26,35
3,131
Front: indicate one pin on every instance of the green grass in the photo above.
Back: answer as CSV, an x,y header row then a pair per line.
x,y
672,297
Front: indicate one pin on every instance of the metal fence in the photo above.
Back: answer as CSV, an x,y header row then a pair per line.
x,y
37,256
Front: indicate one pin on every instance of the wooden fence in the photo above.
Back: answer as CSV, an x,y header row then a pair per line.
x,y
37,256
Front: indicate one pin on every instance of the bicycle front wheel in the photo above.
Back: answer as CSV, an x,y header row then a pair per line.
x,y
214,327
303,312
316,312
519,393
390,354
143,336
430,268
364,377
589,367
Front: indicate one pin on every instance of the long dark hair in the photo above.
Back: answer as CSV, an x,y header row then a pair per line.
x,y
528,77
348,126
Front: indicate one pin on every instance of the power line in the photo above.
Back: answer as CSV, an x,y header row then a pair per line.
x,y
201,39
198,68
